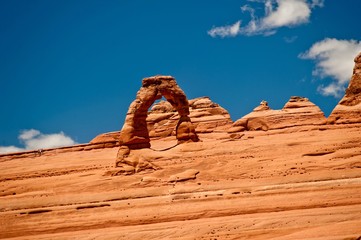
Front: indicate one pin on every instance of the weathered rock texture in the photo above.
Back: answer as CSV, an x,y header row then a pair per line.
x,y
297,111
206,117
112,137
135,132
282,185
209,116
348,109
299,184
162,120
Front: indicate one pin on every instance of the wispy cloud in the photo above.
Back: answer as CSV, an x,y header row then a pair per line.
x,y
290,39
334,59
278,13
226,31
317,3
34,139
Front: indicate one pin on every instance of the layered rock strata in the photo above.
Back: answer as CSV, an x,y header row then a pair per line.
x,y
206,116
297,111
209,116
286,185
348,110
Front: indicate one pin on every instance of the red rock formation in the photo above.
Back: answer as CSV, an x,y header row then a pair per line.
x,y
296,112
162,120
206,117
262,106
107,137
286,185
299,184
135,132
348,109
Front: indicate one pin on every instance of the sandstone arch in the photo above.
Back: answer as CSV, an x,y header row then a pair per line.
x,y
134,133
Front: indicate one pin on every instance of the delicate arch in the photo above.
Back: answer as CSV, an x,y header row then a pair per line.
x,y
134,133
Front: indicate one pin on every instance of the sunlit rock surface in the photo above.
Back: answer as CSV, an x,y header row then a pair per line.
x,y
276,184
348,110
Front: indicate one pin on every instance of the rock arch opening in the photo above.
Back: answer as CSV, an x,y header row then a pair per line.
x,y
134,133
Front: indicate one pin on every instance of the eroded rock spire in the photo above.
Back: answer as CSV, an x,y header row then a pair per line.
x,y
348,109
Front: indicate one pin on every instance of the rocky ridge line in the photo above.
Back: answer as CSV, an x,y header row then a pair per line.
x,y
298,111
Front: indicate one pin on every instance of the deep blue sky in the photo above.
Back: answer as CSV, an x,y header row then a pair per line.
x,y
75,66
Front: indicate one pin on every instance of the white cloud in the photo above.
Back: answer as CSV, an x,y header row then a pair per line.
x,y
34,139
278,13
226,31
46,140
333,89
10,149
288,13
28,134
334,59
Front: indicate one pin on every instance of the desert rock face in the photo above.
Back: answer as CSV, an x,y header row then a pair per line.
x,y
110,137
302,180
278,184
135,132
297,111
348,109
206,117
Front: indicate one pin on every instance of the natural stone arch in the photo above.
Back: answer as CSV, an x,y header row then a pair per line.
x,y
134,133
